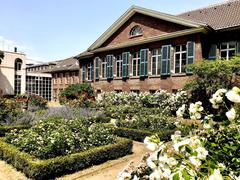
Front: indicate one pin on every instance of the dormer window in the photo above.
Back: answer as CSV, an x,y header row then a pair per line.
x,y
136,31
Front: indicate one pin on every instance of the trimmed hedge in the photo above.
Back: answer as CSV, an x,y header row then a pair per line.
x,y
6,129
139,135
46,169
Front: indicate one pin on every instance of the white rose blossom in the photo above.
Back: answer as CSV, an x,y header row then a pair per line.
x,y
216,175
231,114
234,95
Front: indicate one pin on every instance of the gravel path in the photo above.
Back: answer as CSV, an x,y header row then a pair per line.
x,y
106,171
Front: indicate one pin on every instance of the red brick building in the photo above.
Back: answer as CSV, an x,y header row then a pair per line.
x,y
145,50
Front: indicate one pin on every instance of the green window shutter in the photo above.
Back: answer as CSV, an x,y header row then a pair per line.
x,y
97,66
125,64
84,72
165,61
143,62
213,52
238,48
190,55
109,66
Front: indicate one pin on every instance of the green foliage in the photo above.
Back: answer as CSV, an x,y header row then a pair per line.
x,y
77,95
56,137
8,107
50,168
140,134
223,146
211,76
7,129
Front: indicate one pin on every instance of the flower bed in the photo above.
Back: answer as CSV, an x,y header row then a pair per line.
x,y
45,169
209,153
7,129
58,137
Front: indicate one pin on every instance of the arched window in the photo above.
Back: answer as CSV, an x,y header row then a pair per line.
x,y
18,64
136,31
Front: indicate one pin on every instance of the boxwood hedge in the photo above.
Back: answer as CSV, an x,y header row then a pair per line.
x,y
139,135
46,169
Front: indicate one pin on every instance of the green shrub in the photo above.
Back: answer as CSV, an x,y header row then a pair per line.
x,y
8,108
211,76
77,95
50,168
56,136
7,129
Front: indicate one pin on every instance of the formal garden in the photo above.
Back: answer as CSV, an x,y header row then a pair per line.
x,y
191,134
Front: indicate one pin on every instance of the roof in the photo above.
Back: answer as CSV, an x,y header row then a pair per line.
x,y
69,64
135,9
219,16
84,54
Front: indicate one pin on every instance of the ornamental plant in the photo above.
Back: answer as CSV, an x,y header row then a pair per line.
x,y
160,99
58,137
77,95
212,152
211,76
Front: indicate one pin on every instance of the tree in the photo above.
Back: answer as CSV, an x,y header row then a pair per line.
x,y
211,76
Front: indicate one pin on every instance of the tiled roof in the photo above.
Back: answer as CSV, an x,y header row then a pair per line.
x,y
84,54
219,16
68,64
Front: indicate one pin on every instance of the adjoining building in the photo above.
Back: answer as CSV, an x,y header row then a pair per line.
x,y
64,73
16,79
145,50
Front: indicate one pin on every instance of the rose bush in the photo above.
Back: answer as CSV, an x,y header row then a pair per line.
x,y
209,153
56,137
160,99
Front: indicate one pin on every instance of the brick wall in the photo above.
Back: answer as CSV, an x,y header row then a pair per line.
x,y
150,27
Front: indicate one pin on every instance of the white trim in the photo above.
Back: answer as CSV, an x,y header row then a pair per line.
x,y
180,60
228,49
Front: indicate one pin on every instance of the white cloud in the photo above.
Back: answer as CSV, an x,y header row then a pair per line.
x,y
9,45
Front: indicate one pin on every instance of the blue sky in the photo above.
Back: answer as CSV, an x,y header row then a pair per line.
x,y
56,29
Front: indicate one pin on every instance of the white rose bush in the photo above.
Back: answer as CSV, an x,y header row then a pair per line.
x,y
211,152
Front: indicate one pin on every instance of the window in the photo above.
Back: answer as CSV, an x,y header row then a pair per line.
x,y
61,78
118,90
136,31
119,62
228,50
156,61
152,91
18,64
104,68
90,71
17,85
180,58
135,91
136,64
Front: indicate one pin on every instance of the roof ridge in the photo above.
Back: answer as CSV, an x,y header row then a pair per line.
x,y
209,6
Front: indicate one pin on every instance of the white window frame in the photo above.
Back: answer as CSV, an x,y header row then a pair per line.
x,y
158,56
89,71
181,52
137,59
104,70
228,49
119,62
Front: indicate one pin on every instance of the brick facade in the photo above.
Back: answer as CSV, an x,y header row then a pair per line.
x,y
219,43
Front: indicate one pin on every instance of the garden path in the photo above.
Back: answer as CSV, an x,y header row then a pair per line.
x,y
106,171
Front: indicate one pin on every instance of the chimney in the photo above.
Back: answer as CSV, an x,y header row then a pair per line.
x,y
15,49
